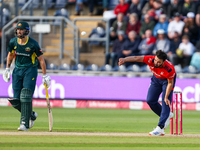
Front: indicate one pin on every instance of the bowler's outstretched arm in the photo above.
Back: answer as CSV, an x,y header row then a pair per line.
x,y
131,59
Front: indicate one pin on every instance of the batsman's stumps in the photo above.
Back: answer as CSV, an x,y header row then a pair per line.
x,y
178,99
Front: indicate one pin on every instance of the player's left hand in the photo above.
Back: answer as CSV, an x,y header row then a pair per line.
x,y
167,101
46,80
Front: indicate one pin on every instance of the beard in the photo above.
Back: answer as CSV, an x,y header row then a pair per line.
x,y
158,66
21,36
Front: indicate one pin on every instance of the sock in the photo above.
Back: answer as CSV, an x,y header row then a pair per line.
x,y
161,126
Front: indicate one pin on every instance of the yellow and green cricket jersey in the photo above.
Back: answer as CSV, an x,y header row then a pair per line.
x,y
25,55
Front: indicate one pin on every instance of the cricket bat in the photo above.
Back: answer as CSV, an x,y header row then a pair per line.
x,y
49,110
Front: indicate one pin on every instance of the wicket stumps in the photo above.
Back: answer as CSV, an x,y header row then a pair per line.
x,y
178,95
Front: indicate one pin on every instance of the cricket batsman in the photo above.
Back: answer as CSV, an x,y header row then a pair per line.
x,y
27,52
163,81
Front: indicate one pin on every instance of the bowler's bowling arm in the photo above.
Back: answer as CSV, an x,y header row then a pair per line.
x,y
134,59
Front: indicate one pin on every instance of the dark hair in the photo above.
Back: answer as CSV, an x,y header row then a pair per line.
x,y
158,1
161,55
185,37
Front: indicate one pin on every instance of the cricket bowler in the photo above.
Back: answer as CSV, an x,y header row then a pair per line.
x,y
163,81
27,52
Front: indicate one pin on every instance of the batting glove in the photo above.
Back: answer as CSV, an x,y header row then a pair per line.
x,y
6,75
46,80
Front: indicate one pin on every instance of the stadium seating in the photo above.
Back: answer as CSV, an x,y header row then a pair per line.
x,y
145,68
121,68
6,16
79,67
92,67
64,67
106,68
98,32
61,12
134,68
190,69
178,68
52,66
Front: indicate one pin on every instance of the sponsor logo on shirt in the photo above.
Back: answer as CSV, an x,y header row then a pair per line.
x,y
27,49
151,67
156,74
22,54
149,60
154,71
15,47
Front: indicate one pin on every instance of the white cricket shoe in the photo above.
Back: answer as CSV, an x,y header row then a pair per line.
x,y
22,128
157,131
31,122
171,115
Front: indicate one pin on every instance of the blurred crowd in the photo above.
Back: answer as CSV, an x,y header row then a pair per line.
x,y
142,27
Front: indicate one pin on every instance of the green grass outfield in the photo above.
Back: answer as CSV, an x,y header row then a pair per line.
x,y
99,129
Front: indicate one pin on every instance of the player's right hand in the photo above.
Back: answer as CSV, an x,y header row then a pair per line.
x,y
167,101
121,61
6,75
46,80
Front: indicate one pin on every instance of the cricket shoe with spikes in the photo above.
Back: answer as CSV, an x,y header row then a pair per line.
x,y
171,115
157,131
22,128
31,121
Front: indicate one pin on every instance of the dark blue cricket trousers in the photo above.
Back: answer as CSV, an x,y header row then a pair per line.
x,y
157,87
